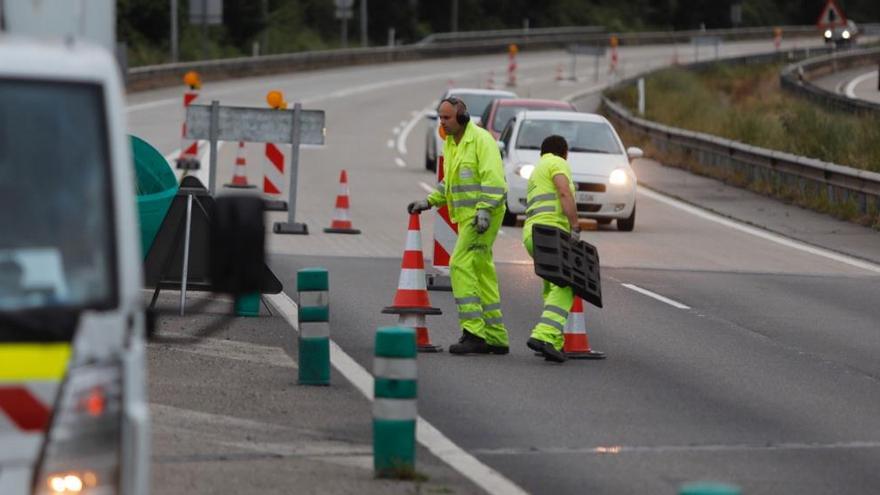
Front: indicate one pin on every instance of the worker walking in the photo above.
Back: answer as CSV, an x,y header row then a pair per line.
x,y
550,201
474,190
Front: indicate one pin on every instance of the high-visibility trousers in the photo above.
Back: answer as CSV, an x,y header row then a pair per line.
x,y
475,283
557,301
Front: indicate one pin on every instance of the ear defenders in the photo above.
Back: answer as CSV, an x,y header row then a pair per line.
x,y
461,112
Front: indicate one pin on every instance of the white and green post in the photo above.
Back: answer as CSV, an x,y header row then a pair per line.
x,y
313,286
394,402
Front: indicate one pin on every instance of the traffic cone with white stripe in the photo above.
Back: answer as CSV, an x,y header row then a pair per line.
x,y
239,174
411,301
577,343
559,73
341,223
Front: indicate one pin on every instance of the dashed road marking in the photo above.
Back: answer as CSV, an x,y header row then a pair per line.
x,y
664,299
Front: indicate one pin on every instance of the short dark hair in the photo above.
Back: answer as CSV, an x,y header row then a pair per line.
x,y
556,145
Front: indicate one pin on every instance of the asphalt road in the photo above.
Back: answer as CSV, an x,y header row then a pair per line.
x,y
769,379
860,83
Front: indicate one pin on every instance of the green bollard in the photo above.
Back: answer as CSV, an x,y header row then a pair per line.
x,y
313,286
709,488
394,403
247,304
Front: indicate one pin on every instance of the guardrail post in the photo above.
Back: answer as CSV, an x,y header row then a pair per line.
x,y
394,402
313,288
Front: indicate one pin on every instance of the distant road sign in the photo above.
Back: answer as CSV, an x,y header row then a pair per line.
x,y
344,13
584,49
343,4
206,12
831,16
255,125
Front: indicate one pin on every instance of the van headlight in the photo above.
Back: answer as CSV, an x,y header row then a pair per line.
x,y
828,34
83,447
845,35
525,170
618,177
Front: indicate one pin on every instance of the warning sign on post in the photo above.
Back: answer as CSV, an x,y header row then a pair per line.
x,y
831,16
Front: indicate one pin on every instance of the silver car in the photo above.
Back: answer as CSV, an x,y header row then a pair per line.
x,y
604,181
476,100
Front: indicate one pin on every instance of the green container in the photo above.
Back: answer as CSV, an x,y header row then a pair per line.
x,y
709,488
248,304
156,187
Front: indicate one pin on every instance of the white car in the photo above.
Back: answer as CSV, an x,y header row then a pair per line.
x,y
477,100
604,181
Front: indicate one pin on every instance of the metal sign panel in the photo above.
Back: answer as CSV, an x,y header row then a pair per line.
x,y
584,49
706,40
344,14
206,12
255,125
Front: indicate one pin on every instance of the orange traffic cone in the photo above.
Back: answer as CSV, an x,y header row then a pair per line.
x,y
411,301
341,223
559,72
239,175
577,344
490,82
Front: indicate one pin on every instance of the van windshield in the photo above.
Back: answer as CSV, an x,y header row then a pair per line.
x,y
56,246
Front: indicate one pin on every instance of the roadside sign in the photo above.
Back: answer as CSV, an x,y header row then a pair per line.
x,y
342,13
255,125
206,12
584,49
831,16
343,4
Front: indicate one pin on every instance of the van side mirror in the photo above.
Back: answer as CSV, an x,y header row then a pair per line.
x,y
632,152
238,254
431,115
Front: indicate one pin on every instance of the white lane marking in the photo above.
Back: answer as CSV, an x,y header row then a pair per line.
x,y
671,302
426,187
433,439
399,161
579,94
401,138
150,104
390,143
763,234
851,87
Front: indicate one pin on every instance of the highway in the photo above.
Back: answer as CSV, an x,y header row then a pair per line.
x,y
763,372
860,82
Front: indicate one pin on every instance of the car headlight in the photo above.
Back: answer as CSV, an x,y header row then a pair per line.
x,y
618,177
525,171
845,35
828,33
83,447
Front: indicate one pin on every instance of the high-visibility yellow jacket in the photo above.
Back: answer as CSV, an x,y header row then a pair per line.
x,y
542,198
474,175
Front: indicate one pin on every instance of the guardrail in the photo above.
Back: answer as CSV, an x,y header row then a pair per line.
x,y
796,78
807,181
146,77
521,34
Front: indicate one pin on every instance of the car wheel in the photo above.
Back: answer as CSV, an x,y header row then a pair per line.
x,y
509,219
627,224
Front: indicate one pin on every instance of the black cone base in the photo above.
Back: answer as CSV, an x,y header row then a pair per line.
x,y
591,354
404,310
331,230
430,348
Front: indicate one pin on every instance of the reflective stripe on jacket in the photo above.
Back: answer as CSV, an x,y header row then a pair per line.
x,y
542,198
474,175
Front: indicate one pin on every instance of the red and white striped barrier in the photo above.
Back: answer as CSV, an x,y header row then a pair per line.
x,y
189,148
445,237
273,172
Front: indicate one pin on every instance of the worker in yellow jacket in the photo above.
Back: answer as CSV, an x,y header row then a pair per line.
x,y
474,190
550,201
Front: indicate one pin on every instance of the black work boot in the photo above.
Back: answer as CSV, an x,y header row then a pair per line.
x,y
470,344
546,349
498,349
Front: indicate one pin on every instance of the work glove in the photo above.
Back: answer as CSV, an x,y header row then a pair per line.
x,y
418,207
575,234
481,221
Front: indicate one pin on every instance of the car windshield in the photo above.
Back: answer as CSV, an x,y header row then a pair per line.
x,y
587,137
477,103
55,209
507,112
